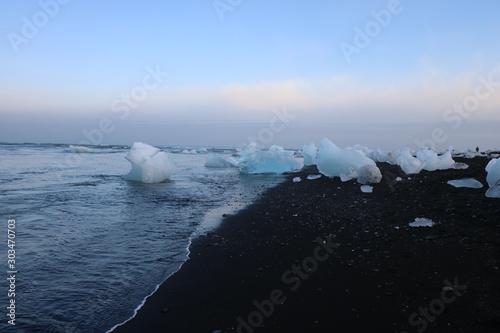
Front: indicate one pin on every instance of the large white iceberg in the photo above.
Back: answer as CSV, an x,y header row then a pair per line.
x,y
149,164
433,161
344,163
410,165
274,160
309,152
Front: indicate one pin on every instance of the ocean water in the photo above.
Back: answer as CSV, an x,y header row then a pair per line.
x,y
91,246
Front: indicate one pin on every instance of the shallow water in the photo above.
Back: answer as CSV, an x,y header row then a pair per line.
x,y
91,246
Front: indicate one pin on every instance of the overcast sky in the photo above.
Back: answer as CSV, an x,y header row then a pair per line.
x,y
383,74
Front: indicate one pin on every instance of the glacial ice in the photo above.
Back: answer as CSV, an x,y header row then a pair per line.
x,y
274,160
217,162
470,154
344,163
313,177
296,179
434,162
149,164
369,174
309,152
422,222
493,192
410,165
493,169
466,182
378,155
366,188
459,166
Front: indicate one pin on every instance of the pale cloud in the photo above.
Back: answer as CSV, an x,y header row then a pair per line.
x,y
331,99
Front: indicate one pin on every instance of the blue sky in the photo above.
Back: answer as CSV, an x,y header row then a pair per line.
x,y
229,69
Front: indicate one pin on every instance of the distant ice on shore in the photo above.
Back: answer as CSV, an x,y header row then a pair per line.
x,y
274,160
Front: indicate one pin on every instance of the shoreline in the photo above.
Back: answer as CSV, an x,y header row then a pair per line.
x,y
260,270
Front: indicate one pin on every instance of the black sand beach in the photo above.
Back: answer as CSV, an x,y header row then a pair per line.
x,y
321,256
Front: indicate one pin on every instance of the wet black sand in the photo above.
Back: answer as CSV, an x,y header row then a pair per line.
x,y
381,274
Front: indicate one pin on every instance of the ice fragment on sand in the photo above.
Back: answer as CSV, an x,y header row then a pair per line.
x,y
335,162
421,222
312,177
309,152
466,182
366,188
149,164
296,179
459,166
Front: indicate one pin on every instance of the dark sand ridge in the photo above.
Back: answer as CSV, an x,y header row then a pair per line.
x,y
382,275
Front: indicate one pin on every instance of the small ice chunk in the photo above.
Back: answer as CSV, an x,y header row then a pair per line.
x,y
422,222
459,166
366,188
296,179
466,182
312,177
398,179
493,192
369,174
309,152
149,164
493,169
470,154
